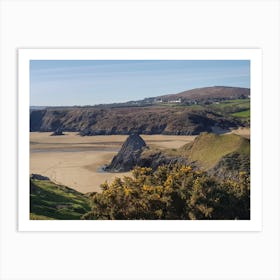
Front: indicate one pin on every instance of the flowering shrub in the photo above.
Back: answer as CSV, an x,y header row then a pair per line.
x,y
176,192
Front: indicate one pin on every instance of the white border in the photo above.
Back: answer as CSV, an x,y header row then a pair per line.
x,y
254,55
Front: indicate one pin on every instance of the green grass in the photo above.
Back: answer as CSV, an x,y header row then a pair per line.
x,y
208,148
39,217
231,106
242,114
235,107
238,101
51,201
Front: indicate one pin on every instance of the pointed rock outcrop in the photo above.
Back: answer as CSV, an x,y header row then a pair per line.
x,y
128,155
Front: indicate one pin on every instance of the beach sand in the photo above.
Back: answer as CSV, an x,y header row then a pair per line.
x,y
77,161
242,131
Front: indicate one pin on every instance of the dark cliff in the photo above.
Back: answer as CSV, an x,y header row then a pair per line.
x,y
125,121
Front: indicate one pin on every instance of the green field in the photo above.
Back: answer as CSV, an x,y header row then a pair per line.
x,y
51,201
242,114
236,107
231,104
239,108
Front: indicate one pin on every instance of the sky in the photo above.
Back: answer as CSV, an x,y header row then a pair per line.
x,y
90,82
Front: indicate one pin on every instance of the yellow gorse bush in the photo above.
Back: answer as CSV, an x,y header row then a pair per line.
x,y
172,192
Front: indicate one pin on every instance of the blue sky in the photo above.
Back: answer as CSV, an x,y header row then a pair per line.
x,y
89,82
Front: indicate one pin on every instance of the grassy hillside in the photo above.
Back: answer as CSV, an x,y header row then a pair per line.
x,y
208,148
51,201
230,106
239,108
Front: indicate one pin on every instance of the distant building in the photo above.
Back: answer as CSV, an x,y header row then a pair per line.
x,y
179,100
158,100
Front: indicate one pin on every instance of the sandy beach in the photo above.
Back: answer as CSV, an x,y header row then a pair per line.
x,y
77,161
